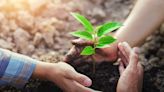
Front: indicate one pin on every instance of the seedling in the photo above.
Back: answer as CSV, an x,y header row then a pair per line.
x,y
98,35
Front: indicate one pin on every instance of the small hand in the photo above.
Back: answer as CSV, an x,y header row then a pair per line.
x,y
131,71
105,54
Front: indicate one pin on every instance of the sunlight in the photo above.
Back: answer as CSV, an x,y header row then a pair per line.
x,y
17,5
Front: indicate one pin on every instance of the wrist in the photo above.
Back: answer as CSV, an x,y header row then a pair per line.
x,y
42,70
113,51
114,46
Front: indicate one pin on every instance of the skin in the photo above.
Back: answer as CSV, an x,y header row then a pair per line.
x,y
64,76
144,19
131,71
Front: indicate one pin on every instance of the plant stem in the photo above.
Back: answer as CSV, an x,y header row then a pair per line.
x,y
94,47
94,64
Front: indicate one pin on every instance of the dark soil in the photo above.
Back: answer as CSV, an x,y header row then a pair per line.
x,y
105,77
51,46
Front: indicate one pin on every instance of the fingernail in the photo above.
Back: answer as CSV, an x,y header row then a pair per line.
x,y
125,43
119,44
136,50
87,82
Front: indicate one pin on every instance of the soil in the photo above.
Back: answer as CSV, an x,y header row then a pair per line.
x,y
105,77
44,28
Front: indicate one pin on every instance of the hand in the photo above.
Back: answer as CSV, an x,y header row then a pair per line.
x,y
104,54
68,79
131,71
64,76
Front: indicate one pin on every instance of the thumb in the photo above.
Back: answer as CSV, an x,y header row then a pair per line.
x,y
133,59
81,42
136,50
80,78
71,55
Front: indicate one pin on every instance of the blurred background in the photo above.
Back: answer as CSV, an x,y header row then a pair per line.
x,y
38,27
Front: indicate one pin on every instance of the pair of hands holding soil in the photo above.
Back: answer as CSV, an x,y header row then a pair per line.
x,y
131,71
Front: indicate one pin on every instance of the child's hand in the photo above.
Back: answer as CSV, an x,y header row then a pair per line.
x,y
65,76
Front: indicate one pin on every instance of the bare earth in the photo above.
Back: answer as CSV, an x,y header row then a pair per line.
x,y
41,32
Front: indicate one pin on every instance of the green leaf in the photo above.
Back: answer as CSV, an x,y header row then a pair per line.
x,y
88,26
104,41
98,27
82,34
108,27
88,50
101,46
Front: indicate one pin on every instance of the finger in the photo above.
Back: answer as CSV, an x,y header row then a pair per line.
x,y
81,88
140,68
136,50
123,59
126,48
120,47
80,78
81,42
121,67
133,59
84,80
69,55
141,72
73,54
73,86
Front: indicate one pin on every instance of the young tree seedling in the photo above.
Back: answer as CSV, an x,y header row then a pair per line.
x,y
98,35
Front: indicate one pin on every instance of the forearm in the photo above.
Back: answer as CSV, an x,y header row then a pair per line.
x,y
144,19
16,69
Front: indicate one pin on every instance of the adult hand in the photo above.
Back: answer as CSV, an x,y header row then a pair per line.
x,y
68,79
64,76
131,71
105,54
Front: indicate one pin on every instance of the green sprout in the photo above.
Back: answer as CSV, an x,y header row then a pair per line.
x,y
98,35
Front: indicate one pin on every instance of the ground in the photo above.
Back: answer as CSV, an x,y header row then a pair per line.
x,y
42,32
